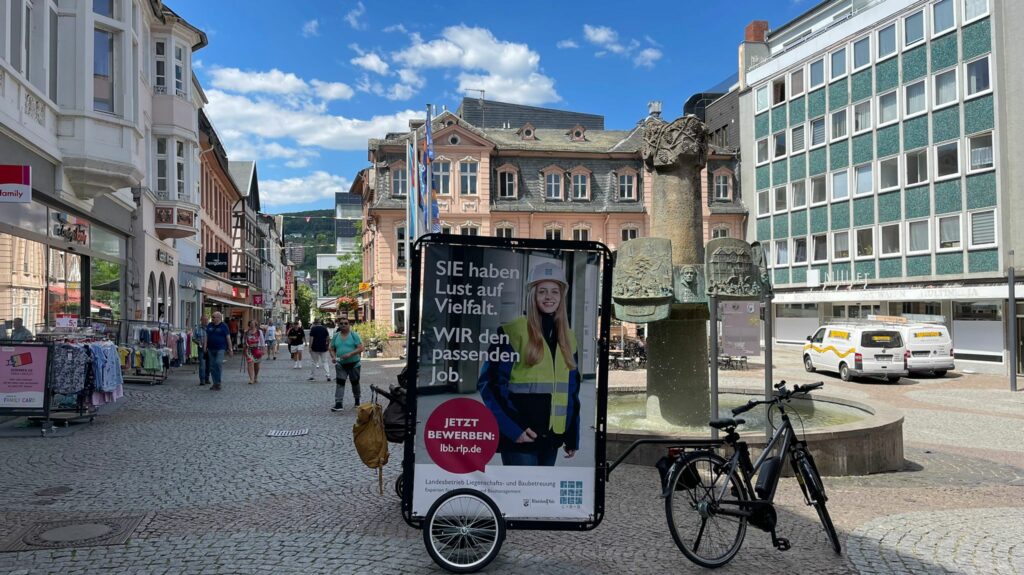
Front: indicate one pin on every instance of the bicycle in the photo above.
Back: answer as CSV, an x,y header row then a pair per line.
x,y
710,500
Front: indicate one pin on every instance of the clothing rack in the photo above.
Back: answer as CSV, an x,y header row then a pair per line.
x,y
78,404
142,366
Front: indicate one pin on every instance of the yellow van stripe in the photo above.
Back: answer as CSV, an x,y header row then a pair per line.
x,y
832,349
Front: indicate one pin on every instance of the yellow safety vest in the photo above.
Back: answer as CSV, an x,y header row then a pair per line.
x,y
549,376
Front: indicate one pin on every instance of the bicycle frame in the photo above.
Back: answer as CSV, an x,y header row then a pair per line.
x,y
783,439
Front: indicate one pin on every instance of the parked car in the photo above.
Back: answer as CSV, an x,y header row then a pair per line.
x,y
930,347
854,350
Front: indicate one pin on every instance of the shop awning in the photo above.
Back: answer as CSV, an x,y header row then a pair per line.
x,y
229,302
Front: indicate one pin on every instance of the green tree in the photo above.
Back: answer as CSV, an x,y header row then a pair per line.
x,y
303,302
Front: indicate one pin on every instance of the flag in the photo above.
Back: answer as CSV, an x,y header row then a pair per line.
x,y
412,217
308,218
431,213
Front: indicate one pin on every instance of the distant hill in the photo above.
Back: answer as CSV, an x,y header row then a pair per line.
x,y
317,235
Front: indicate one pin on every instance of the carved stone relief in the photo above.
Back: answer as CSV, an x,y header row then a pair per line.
x,y
35,109
735,269
665,143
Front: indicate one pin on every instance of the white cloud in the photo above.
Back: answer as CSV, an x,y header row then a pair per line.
x,y
411,77
353,16
510,70
565,44
600,35
311,28
400,92
332,90
647,57
272,82
396,28
652,41
197,64
313,187
372,62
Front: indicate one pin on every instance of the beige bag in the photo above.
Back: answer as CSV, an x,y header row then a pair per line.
x,y
371,442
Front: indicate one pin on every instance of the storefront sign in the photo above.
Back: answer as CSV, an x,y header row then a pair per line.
x,y
165,257
22,377
289,283
257,299
15,184
217,261
69,228
364,286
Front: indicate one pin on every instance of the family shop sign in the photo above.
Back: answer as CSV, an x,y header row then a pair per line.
x,y
15,184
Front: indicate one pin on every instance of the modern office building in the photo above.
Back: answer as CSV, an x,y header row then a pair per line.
x,y
879,140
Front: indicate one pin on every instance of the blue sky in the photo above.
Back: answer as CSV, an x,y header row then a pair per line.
x,y
300,86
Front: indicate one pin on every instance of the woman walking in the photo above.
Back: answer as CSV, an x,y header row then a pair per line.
x,y
254,346
272,340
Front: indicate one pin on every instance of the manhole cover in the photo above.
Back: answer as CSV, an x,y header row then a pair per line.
x,y
51,491
287,432
74,533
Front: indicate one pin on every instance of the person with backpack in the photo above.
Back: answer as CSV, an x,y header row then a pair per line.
x,y
318,346
346,347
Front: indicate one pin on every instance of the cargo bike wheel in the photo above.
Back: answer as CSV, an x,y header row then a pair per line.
x,y
463,531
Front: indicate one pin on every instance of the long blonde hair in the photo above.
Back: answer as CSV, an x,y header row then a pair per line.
x,y
537,346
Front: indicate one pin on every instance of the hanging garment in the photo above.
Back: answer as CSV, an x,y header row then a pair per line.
x,y
68,368
151,360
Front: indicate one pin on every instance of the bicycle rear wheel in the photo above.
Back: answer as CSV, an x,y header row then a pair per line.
x,y
463,531
814,492
695,486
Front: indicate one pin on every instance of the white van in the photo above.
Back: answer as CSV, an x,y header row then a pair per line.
x,y
930,347
854,350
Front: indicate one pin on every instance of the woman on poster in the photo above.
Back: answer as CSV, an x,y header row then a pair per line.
x,y
535,398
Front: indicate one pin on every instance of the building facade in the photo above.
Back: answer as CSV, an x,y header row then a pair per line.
x,y
877,138
247,242
347,216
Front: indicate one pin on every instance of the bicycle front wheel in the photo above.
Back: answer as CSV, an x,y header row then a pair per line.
x,y
699,487
463,531
814,491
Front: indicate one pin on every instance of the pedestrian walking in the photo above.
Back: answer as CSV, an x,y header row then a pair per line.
x,y
272,341
319,342
233,329
199,337
296,340
254,354
346,348
218,341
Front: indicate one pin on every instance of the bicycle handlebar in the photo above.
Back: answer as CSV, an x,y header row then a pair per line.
x,y
782,394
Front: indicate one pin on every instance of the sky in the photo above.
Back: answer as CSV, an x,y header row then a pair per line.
x,y
301,86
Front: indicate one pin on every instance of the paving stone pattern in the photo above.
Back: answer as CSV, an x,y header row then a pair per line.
x,y
219,496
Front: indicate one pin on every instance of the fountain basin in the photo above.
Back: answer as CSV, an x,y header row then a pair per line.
x,y
857,439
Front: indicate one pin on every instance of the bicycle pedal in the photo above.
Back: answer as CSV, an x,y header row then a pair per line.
x,y
782,544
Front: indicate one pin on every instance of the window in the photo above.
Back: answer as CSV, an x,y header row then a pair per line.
x,y
763,206
630,234
942,16
446,229
862,117
839,125
840,186
469,231
887,108
627,187
399,181
913,29
797,139
799,190
865,242
506,184
817,132
400,247
838,63
581,234
103,66
983,229
161,68
887,41
553,186
975,9
980,152
761,98
719,232
179,173
179,70
947,160
820,248
890,239
817,70
841,245
467,178
722,187
580,187
779,91
782,253
799,250
762,151
796,83
949,232
503,231
861,53
104,8
945,88
917,232
553,234
917,167
161,165
780,144
864,181
442,171
780,199
915,101
818,195
889,173
977,77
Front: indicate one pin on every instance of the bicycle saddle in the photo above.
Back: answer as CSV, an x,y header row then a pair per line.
x,y
725,422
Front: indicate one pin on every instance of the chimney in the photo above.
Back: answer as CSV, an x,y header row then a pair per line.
x,y
756,31
654,108
416,124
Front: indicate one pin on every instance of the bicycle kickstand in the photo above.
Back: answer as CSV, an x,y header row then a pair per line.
x,y
780,543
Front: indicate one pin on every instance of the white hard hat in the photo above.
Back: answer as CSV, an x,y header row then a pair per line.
x,y
547,271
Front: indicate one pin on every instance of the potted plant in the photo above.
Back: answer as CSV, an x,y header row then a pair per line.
x,y
374,334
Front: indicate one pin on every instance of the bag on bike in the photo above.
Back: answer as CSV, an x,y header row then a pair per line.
x,y
688,479
394,416
370,440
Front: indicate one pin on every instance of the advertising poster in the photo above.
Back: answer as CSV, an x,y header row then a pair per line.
x,y
741,327
507,379
22,377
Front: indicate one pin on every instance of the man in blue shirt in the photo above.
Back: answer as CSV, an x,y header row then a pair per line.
x,y
218,340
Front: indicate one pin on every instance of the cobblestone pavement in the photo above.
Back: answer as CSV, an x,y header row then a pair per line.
x,y
218,496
